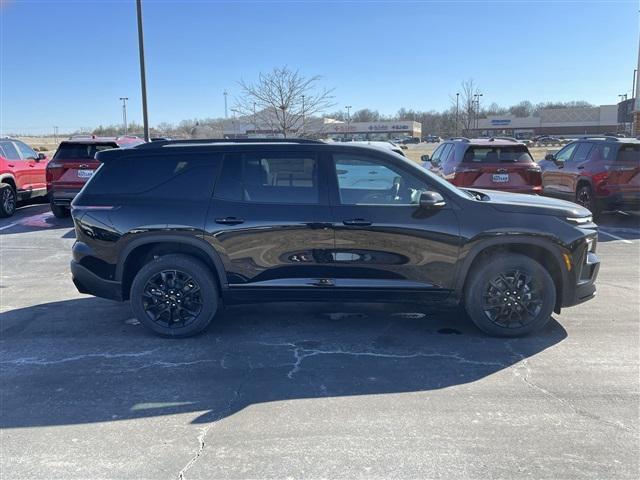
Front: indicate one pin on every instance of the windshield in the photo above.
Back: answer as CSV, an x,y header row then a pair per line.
x,y
71,151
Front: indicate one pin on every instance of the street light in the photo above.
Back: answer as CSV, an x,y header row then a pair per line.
x,y
477,109
124,113
143,77
235,132
303,114
225,104
348,108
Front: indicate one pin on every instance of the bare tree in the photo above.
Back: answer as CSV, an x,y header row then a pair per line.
x,y
467,104
281,99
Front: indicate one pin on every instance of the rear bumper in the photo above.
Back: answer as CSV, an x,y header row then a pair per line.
x,y
64,197
90,283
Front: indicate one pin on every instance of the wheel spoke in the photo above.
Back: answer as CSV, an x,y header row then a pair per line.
x,y
172,298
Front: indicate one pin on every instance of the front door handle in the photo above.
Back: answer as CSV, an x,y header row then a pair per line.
x,y
581,167
230,220
357,222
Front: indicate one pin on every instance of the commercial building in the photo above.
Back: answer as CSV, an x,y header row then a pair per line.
x,y
553,121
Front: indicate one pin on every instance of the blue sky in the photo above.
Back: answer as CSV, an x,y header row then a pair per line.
x,y
66,63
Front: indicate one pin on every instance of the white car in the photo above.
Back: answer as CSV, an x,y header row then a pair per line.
x,y
388,145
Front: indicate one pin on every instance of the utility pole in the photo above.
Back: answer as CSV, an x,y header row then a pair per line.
x,y
124,113
226,115
235,132
348,108
457,109
303,114
143,77
55,134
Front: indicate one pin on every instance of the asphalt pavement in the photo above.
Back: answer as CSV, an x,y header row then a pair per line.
x,y
310,390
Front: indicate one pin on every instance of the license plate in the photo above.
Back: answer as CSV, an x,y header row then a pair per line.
x,y
85,173
500,177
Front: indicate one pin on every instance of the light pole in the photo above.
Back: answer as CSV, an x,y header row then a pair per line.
x,y
457,109
235,132
55,134
143,77
255,121
623,97
284,120
303,114
477,109
124,113
348,108
225,104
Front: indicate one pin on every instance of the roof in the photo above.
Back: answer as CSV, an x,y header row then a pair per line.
x,y
91,139
488,142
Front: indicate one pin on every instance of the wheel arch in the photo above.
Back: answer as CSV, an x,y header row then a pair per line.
x,y
543,251
9,179
141,251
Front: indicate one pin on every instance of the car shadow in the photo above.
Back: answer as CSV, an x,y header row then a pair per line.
x,y
33,217
619,226
87,360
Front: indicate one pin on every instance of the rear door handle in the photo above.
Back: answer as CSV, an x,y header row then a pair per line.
x,y
357,222
230,220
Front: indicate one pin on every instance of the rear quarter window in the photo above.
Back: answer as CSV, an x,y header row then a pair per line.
x,y
628,153
176,177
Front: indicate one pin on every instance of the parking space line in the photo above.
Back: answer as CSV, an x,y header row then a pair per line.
x,y
615,237
9,226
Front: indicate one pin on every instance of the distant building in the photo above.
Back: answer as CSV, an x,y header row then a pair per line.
x,y
552,121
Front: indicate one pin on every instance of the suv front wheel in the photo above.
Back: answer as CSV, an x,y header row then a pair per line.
x,y
510,295
175,295
7,200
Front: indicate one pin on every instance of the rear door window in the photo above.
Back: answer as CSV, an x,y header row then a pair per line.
x,y
497,155
582,152
8,151
270,178
81,151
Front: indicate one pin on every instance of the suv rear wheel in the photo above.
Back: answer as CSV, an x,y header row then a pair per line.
x,y
585,198
175,295
7,200
510,295
59,211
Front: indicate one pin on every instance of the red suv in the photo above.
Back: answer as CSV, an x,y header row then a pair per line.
x,y
599,173
493,163
73,164
21,174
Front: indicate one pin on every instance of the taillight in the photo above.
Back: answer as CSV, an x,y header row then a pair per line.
x,y
600,182
534,176
54,171
464,176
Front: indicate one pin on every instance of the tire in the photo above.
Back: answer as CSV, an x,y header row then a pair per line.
x,y
8,200
59,211
168,278
495,309
585,198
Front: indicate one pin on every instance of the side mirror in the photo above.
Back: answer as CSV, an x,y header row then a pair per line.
x,y
550,156
431,201
41,156
425,158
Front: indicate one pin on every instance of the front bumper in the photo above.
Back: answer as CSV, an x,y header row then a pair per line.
x,y
90,283
585,285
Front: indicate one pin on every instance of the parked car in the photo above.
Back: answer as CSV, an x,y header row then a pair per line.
x,y
22,174
432,139
599,173
73,164
494,163
410,140
178,228
547,140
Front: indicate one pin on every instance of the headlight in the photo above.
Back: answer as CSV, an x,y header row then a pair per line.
x,y
591,244
580,220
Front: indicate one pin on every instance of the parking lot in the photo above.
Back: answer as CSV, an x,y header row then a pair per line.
x,y
320,390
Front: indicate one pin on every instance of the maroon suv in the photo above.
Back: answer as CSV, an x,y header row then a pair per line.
x,y
73,164
493,163
599,173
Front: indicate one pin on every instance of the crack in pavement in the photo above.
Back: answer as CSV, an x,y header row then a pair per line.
x,y
526,378
301,353
38,361
205,430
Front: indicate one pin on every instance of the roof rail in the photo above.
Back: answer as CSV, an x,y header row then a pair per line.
x,y
610,138
508,139
463,139
82,135
204,141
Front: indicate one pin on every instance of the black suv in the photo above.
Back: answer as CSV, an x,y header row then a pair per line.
x,y
179,227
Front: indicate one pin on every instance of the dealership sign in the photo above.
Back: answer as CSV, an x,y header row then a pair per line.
x,y
500,121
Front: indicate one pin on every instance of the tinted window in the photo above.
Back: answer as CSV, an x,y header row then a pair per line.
x,y
181,177
438,152
629,153
269,178
497,155
70,151
368,181
25,151
582,152
8,151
